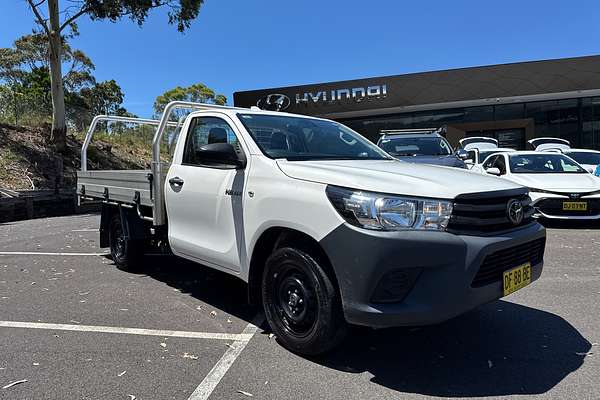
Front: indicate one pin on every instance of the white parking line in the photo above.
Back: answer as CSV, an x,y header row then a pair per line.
x,y
210,382
85,230
42,253
239,337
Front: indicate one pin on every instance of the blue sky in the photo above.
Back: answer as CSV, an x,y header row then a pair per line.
x,y
241,45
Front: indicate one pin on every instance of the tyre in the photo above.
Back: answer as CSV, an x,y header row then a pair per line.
x,y
301,302
125,253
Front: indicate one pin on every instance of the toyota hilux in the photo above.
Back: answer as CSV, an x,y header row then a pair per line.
x,y
326,228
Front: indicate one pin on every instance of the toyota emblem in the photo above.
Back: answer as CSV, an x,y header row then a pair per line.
x,y
274,102
514,211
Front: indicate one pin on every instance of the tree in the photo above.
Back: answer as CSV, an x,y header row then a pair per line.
x,y
24,69
104,97
181,13
196,93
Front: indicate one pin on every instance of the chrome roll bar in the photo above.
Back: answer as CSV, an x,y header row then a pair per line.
x,y
159,201
114,118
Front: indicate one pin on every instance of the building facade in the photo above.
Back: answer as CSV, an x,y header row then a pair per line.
x,y
511,102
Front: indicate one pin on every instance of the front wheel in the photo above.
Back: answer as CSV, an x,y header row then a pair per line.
x,y
301,303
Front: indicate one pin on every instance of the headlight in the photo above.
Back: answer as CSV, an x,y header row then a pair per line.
x,y
535,190
388,212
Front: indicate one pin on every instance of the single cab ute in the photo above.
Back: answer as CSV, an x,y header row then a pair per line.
x,y
326,228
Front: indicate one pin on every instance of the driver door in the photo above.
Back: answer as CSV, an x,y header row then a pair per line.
x,y
204,201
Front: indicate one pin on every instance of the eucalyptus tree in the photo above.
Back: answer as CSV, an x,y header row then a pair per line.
x,y
56,18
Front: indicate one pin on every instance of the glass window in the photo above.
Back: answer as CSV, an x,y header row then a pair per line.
x,y
489,162
296,138
416,146
500,164
477,114
206,130
585,157
543,163
509,111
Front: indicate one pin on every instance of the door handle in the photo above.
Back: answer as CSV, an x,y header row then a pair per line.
x,y
176,181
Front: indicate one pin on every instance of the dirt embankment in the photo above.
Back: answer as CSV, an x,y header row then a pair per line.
x,y
28,161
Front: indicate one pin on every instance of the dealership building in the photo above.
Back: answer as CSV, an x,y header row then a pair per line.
x,y
511,102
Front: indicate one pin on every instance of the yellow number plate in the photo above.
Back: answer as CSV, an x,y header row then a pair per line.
x,y
517,278
574,205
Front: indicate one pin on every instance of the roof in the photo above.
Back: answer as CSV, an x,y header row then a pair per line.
x,y
493,84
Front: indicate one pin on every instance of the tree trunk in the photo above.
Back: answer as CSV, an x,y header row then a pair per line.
x,y
59,126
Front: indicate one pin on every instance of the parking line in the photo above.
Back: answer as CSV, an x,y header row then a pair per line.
x,y
210,382
42,253
239,337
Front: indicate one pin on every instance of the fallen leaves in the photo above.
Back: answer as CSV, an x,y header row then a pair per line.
x,y
14,383
190,356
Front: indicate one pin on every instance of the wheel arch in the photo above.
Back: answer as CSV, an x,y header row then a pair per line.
x,y
277,237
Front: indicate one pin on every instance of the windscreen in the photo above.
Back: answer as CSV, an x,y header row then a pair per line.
x,y
297,138
485,154
584,157
416,146
544,163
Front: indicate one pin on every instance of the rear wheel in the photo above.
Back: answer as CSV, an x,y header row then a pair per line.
x,y
125,253
301,303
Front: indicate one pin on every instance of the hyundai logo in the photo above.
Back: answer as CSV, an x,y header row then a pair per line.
x,y
274,102
514,211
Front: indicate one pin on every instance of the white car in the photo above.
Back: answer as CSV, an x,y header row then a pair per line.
x,y
559,187
478,149
588,159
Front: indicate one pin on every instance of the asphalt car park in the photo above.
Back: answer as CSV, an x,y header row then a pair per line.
x,y
74,326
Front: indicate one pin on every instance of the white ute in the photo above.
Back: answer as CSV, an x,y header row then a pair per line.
x,y
326,228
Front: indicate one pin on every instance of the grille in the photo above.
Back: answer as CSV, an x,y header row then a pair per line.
x,y
554,207
486,212
495,264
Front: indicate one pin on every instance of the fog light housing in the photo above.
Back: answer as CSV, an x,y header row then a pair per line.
x,y
395,285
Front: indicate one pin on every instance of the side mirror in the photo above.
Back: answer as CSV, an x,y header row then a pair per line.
x,y
462,154
493,171
220,154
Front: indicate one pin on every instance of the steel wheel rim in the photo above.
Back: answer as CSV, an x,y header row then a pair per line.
x,y
295,301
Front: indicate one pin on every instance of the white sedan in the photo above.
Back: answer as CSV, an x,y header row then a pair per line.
x,y
559,187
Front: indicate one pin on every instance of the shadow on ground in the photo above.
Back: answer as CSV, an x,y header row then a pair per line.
x,y
499,349
217,289
570,224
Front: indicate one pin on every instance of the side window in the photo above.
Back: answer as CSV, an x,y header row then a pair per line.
x,y
472,154
207,130
490,162
500,164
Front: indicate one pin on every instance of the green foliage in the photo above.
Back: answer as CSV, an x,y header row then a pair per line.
x,y
198,93
25,96
181,12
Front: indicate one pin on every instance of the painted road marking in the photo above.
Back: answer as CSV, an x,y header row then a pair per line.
x,y
210,382
85,230
239,337
42,253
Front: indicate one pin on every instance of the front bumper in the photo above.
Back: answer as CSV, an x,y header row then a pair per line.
x,y
549,206
447,265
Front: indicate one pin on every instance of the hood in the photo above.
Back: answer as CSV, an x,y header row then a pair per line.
x,y
447,160
571,183
392,176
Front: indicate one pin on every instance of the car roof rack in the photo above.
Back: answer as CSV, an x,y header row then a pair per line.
x,y
441,130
